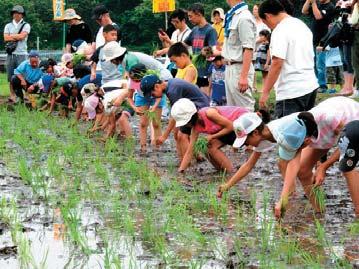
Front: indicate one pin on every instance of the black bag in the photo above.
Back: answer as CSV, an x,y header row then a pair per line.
x,y
10,47
333,37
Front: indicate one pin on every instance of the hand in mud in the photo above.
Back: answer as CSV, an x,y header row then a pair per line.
x,y
160,140
221,189
319,175
279,210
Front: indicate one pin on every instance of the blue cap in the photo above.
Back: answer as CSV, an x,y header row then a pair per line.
x,y
290,137
46,81
77,43
33,53
148,83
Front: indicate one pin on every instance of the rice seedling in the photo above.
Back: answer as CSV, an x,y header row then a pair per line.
x,y
201,146
319,196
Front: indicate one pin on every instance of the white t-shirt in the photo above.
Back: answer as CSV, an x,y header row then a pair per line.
x,y
177,36
292,41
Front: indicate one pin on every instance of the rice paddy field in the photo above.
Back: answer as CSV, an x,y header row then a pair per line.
x,y
70,201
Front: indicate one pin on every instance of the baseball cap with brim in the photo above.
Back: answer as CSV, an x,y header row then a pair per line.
x,y
290,137
148,84
243,126
182,111
18,9
113,50
98,12
70,14
34,54
349,147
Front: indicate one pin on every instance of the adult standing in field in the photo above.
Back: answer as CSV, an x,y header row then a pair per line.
x,y
239,43
178,20
102,16
16,31
322,15
202,35
78,29
292,68
355,47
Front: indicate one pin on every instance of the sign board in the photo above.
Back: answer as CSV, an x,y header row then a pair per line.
x,y
59,9
163,6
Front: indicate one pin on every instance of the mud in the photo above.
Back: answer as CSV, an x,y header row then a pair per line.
x,y
240,233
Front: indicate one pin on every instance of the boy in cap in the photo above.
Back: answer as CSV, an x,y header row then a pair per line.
x,y
16,31
174,89
348,156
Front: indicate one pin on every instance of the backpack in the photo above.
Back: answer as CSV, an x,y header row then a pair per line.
x,y
338,33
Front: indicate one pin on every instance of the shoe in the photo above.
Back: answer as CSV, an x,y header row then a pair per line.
x,y
322,90
355,94
331,91
345,93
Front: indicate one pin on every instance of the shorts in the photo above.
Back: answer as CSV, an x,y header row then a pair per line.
x,y
109,98
185,130
228,139
143,101
202,82
335,75
289,106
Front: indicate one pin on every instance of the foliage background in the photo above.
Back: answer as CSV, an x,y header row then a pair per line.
x,y
135,17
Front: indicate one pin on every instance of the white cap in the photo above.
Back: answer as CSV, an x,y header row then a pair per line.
x,y
244,125
182,111
112,50
220,11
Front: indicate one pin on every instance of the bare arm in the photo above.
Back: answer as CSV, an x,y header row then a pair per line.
x,y
241,173
217,118
68,48
190,75
316,12
271,79
323,167
306,6
243,76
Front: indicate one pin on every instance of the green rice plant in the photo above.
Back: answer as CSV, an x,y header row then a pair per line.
x,y
319,196
199,60
24,253
354,228
24,172
152,116
201,146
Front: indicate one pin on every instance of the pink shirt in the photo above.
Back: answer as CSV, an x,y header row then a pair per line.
x,y
229,112
329,114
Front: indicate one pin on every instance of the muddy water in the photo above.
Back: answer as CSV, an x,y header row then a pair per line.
x,y
238,234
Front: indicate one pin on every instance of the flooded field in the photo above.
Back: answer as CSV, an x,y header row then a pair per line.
x,y
69,201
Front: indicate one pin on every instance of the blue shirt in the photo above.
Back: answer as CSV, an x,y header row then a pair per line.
x,y
201,37
218,85
31,75
179,88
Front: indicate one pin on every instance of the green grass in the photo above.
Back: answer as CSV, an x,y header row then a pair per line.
x,y
4,85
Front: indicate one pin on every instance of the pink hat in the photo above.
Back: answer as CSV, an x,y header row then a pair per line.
x,y
90,105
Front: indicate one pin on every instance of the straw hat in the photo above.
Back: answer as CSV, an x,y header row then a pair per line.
x,y
70,14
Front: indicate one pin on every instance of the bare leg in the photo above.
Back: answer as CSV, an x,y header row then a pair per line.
x,y
183,143
156,125
217,157
309,158
143,128
124,125
353,186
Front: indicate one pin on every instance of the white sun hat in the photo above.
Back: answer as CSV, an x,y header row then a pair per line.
x,y
112,50
182,111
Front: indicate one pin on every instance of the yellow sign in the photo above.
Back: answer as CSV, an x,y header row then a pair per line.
x,y
58,8
163,5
